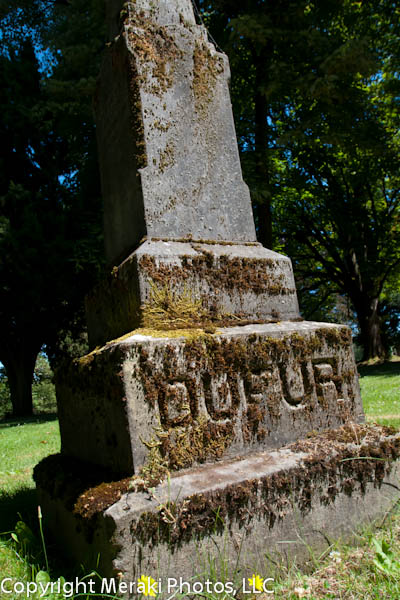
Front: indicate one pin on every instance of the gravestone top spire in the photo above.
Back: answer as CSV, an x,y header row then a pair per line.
x,y
168,153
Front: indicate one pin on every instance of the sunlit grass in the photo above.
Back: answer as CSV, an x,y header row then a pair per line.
x,y
380,391
22,446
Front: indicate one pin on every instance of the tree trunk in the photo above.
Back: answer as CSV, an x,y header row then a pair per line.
x,y
370,328
263,210
19,368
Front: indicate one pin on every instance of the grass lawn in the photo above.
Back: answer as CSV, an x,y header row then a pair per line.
x,y
380,391
22,445
344,572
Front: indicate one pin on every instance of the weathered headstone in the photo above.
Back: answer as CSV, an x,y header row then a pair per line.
x,y
210,405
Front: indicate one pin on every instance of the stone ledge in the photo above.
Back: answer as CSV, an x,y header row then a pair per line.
x,y
266,504
180,402
241,281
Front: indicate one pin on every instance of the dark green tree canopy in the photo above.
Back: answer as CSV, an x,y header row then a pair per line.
x,y
50,207
318,125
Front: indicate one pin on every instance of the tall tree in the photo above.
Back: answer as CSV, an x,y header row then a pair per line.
x,y
50,209
318,124
341,171
272,50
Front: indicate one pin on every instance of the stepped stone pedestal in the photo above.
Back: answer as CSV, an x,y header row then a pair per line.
x,y
237,283
244,431
229,518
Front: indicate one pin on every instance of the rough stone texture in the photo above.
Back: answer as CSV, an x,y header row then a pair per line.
x,y
167,144
197,400
170,171
247,282
268,504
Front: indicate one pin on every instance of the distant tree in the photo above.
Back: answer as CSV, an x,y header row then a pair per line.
x,y
43,389
5,402
390,314
274,49
340,183
50,208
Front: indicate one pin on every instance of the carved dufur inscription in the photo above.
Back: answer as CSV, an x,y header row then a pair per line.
x,y
248,392
210,396
293,386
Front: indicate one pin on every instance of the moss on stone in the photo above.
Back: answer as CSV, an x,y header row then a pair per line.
x,y
236,275
170,309
206,68
84,488
157,53
224,360
114,308
188,334
338,461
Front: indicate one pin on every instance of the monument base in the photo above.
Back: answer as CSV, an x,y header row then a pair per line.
x,y
232,516
151,401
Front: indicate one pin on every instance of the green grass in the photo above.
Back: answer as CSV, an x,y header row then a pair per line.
x,y
22,446
351,572
343,572
380,391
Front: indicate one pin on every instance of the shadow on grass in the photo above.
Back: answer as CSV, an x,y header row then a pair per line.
x,y
386,369
15,422
23,506
20,505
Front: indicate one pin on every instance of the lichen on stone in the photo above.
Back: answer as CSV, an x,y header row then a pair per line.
x,y
157,53
206,68
336,462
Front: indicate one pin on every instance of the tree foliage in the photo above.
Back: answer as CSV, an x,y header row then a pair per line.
x,y
318,127
43,389
50,209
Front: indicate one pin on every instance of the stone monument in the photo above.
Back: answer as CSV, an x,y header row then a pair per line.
x,y
207,406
